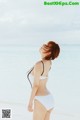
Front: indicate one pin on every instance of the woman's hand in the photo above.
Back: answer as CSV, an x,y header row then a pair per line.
x,y
30,105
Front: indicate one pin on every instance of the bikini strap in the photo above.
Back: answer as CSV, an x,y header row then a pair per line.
x,y
43,68
50,68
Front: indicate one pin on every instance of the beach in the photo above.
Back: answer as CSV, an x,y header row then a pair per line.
x,y
64,82
19,112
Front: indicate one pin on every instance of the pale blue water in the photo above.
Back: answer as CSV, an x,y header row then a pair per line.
x,y
64,77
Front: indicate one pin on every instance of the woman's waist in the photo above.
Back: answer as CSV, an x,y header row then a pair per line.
x,y
42,92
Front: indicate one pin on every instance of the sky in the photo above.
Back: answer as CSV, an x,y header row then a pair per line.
x,y
30,23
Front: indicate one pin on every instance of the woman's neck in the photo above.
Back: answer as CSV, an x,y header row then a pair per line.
x,y
45,60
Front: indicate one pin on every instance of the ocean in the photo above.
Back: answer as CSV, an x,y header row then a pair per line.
x,y
63,83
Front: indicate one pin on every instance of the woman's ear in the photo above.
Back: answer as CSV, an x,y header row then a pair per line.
x,y
48,53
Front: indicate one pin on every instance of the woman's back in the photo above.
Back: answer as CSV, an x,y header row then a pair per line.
x,y
42,90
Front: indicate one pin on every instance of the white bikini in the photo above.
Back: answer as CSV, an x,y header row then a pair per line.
x,y
47,101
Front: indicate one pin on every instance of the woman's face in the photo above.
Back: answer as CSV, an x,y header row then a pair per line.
x,y
43,50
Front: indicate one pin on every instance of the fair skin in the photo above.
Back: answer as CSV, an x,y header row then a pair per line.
x,y
39,88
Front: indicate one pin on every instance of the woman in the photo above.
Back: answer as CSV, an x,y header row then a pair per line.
x,y
40,95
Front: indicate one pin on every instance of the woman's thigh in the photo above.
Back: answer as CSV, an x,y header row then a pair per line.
x,y
47,116
39,111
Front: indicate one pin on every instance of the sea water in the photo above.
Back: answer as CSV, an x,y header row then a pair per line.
x,y
63,83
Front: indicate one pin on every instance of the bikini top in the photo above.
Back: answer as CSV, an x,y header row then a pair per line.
x,y
42,77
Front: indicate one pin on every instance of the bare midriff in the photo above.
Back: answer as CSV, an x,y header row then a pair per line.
x,y
42,90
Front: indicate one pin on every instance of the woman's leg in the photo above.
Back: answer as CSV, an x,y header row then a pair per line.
x,y
39,111
47,116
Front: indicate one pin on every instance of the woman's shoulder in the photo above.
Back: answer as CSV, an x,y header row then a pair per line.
x,y
38,64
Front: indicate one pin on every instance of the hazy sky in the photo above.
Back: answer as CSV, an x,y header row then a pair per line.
x,y
29,22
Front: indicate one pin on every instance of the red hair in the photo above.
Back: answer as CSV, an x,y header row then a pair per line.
x,y
54,50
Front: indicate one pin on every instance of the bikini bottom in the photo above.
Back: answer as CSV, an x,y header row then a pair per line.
x,y
47,101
